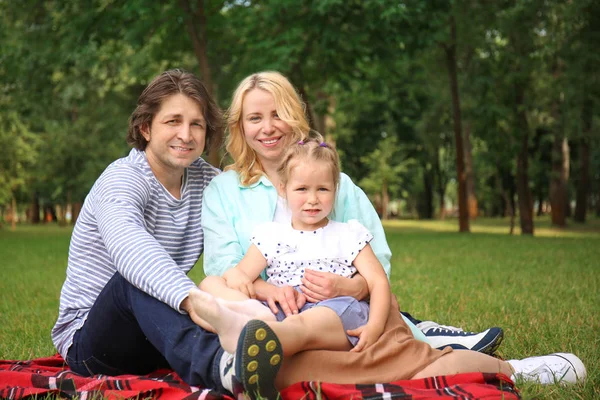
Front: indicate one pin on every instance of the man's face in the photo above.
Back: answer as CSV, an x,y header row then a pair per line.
x,y
176,137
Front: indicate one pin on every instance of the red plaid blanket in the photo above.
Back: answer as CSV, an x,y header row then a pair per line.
x,y
50,376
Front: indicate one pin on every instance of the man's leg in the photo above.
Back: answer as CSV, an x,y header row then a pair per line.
x,y
128,331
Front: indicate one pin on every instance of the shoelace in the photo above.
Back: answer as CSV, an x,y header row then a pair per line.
x,y
430,325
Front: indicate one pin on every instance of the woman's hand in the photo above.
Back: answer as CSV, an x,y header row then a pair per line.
x,y
318,286
238,280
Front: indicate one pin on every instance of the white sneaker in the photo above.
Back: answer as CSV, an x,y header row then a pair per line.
x,y
551,369
226,370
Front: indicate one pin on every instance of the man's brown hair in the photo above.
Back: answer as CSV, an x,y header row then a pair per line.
x,y
167,84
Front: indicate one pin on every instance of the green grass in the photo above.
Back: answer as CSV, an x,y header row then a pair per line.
x,y
544,291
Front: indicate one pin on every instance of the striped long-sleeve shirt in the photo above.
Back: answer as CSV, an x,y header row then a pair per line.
x,y
131,224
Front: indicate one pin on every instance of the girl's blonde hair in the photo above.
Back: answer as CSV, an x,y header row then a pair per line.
x,y
290,109
313,148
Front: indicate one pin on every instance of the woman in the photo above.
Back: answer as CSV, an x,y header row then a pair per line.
x,y
266,115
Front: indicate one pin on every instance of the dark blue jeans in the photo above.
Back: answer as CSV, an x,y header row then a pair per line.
x,y
129,332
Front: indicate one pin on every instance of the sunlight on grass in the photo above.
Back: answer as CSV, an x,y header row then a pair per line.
x,y
499,226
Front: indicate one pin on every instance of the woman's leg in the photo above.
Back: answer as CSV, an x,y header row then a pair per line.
x,y
461,361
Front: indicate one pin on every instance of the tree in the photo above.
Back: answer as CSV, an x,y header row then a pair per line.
x,y
385,171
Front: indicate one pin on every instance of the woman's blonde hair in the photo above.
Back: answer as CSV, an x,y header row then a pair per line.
x,y
290,109
313,148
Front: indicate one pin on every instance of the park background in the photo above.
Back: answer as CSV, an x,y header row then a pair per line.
x,y
454,116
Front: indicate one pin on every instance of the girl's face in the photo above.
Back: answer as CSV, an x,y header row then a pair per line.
x,y
310,194
265,133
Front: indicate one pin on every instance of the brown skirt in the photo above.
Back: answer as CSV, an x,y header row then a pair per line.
x,y
395,356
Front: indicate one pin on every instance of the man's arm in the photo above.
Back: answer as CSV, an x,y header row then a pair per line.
x,y
136,254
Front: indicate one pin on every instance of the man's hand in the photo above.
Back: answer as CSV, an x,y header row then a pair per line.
x,y
238,280
288,298
367,335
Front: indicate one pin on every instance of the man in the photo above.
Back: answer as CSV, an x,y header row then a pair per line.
x,y
124,306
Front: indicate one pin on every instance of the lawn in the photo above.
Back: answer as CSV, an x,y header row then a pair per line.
x,y
544,291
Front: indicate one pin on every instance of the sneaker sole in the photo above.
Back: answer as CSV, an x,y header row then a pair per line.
x,y
258,358
493,345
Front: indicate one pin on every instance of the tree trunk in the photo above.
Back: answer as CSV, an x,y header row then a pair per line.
x,y
427,200
385,200
509,210
34,209
13,210
463,213
523,190
558,184
198,38
441,185
76,211
471,196
583,184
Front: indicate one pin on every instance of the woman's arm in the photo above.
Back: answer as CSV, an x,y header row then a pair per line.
x,y
319,286
222,250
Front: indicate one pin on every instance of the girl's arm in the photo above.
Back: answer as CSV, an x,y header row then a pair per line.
x,y
253,263
371,269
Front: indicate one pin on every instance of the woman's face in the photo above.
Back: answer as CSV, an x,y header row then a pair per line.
x,y
265,133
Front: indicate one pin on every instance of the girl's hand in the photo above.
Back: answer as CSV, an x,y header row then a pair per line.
x,y
319,286
367,335
238,280
288,298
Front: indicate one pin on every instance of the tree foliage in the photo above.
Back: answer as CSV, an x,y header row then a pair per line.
x,y
373,74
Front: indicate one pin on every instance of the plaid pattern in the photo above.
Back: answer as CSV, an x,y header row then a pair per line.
x,y
50,376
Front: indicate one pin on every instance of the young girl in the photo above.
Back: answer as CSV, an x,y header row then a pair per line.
x,y
309,176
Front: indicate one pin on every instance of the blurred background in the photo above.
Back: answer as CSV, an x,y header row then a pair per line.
x,y
439,109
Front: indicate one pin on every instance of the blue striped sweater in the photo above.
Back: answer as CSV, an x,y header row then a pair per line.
x,y
131,224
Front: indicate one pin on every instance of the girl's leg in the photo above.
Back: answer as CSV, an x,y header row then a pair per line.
x,y
462,361
318,328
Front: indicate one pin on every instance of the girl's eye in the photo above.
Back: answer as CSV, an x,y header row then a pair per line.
x,y
324,189
172,122
254,118
275,115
